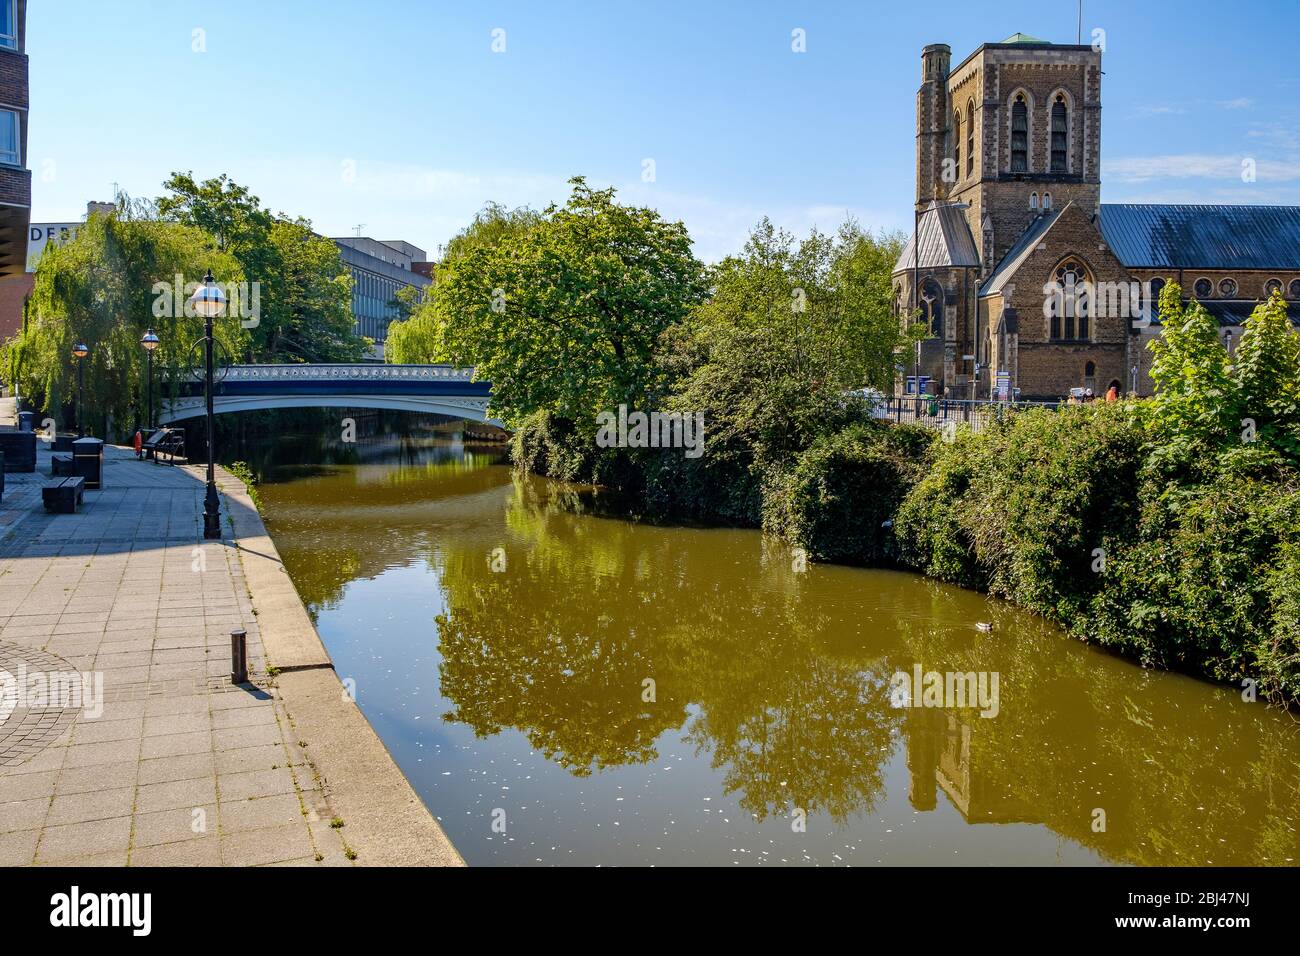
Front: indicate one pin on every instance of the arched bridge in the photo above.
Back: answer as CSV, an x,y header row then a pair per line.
x,y
433,389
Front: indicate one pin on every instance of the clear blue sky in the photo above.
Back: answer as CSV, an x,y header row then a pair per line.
x,y
398,115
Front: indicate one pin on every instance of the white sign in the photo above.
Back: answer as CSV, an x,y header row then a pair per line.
x,y
42,234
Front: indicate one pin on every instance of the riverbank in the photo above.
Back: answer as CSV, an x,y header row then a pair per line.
x,y
169,763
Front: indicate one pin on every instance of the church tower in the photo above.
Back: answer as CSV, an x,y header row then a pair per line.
x,y
931,124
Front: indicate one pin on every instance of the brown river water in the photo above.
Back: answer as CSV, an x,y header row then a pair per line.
x,y
565,687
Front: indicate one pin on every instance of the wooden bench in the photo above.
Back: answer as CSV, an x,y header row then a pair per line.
x,y
63,495
60,465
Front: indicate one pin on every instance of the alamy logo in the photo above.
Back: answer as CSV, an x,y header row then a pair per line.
x,y
950,689
75,908
1104,300
243,300
42,690
653,430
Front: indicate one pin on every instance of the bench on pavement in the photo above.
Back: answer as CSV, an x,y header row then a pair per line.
x,y
165,441
61,465
63,495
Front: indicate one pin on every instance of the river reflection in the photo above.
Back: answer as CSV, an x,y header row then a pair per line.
x,y
622,693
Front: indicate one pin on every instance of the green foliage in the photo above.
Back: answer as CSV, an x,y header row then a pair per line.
x,y
1210,584
563,315
418,338
99,288
306,299
838,499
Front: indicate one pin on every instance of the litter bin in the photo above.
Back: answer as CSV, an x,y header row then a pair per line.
x,y
26,421
88,461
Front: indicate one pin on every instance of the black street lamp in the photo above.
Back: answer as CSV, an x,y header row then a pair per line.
x,y
150,342
80,351
209,301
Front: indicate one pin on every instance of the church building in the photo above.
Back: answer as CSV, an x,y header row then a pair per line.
x,y
1028,284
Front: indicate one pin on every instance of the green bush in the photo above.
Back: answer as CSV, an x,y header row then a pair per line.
x,y
929,532
838,499
1211,584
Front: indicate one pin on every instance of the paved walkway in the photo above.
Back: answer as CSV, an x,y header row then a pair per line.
x,y
172,764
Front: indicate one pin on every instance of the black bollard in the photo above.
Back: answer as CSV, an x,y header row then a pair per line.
x,y
239,656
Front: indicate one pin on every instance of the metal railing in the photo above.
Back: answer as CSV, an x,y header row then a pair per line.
x,y
938,412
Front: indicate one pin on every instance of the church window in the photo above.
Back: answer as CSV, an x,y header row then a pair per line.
x,y
1060,131
1295,289
932,307
1228,288
956,143
1047,201
1072,305
1019,135
970,138
1273,285
1033,201
1204,288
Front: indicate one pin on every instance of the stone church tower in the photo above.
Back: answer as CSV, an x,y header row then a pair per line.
x,y
1006,141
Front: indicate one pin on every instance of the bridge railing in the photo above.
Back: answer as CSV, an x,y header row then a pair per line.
x,y
937,412
360,371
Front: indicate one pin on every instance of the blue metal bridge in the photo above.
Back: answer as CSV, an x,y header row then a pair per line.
x,y
432,389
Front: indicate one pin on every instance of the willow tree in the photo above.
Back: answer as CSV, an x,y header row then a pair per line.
x,y
105,287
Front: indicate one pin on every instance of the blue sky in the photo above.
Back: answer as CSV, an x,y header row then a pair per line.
x,y
398,115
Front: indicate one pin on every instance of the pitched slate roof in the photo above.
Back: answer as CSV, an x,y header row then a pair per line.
x,y
1020,251
1189,236
945,241
1236,311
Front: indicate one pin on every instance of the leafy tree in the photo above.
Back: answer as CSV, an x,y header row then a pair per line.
x,y
1265,373
416,338
99,288
305,290
564,314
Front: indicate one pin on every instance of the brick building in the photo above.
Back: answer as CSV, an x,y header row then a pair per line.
x,y
1020,273
15,178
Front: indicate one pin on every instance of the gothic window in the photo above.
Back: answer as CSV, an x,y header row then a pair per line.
x,y
898,300
932,307
1204,288
1060,135
1047,201
1033,201
1020,135
1228,288
956,143
1071,306
1090,376
970,138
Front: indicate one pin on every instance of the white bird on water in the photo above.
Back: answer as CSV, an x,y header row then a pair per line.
x,y
984,626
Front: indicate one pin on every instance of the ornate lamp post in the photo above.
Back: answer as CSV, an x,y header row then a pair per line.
x,y
150,342
209,301
80,351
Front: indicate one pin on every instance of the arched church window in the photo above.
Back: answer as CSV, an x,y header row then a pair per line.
x,y
970,138
1228,288
1090,376
1204,288
1047,201
932,307
1271,286
1060,135
1295,289
1071,306
956,143
1020,135
1033,201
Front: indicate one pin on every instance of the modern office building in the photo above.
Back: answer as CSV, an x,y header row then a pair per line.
x,y
379,270
15,177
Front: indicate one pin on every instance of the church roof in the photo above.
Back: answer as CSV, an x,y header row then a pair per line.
x,y
1024,38
1020,251
945,241
1190,236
